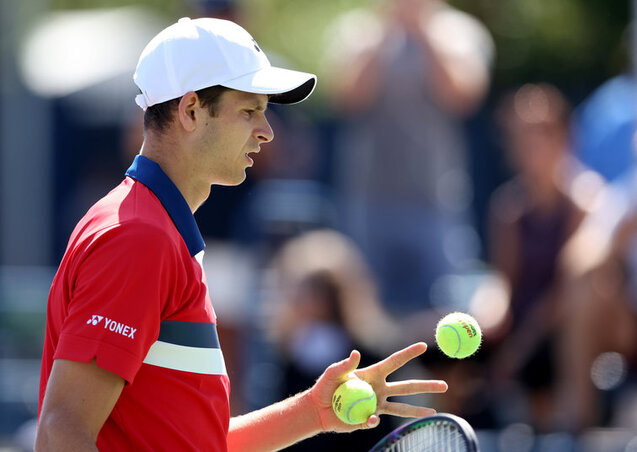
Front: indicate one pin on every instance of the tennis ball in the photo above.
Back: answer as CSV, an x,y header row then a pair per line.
x,y
354,401
458,335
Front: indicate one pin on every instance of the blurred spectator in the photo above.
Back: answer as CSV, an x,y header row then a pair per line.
x,y
601,259
531,217
326,262
322,303
404,77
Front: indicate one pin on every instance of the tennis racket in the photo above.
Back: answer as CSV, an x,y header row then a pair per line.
x,y
438,433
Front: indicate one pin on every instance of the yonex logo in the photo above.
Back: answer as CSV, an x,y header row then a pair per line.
x,y
95,319
255,45
112,325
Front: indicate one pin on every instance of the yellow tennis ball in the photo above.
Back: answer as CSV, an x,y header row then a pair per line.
x,y
458,335
354,401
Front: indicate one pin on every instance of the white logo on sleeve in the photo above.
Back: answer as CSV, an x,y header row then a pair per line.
x,y
112,325
95,319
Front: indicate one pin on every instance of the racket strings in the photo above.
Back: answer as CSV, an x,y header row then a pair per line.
x,y
436,436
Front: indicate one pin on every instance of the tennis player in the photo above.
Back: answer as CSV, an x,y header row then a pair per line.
x,y
131,360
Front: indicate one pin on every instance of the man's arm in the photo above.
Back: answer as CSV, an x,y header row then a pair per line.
x,y
357,75
79,398
310,412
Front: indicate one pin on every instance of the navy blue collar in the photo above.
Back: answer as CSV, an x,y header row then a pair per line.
x,y
151,175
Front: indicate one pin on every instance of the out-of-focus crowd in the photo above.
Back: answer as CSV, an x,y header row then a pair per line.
x,y
365,235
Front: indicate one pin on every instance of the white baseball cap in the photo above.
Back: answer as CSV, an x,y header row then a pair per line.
x,y
199,53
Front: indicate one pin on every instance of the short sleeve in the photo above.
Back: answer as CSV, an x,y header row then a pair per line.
x,y
118,289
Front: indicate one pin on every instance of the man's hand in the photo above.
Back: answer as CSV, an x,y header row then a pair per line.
x,y
376,375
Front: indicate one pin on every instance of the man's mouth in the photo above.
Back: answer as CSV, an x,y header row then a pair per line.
x,y
250,160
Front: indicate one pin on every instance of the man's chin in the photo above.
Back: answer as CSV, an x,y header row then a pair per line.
x,y
232,182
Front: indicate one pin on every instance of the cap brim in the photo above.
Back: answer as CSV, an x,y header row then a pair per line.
x,y
284,86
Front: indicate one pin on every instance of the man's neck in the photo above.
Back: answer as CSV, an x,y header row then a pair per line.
x,y
175,164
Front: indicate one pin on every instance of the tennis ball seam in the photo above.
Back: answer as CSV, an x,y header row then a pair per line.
x,y
349,410
459,338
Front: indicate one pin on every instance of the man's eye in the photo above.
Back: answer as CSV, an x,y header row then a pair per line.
x,y
249,113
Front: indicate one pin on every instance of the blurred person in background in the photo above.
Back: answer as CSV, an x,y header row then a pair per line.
x,y
321,302
531,218
599,340
131,358
597,348
403,78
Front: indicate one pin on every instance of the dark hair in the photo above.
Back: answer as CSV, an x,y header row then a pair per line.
x,y
158,116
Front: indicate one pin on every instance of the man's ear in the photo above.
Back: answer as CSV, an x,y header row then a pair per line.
x,y
188,110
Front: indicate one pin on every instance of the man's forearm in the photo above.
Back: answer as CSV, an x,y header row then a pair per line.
x,y
276,426
59,434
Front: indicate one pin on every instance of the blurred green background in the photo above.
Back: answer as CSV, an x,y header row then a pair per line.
x,y
575,44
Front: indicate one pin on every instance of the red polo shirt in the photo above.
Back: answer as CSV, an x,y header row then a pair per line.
x,y
131,293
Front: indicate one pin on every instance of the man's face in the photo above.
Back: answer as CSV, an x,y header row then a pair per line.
x,y
227,139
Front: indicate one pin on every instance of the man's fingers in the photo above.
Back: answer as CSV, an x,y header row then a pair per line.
x,y
400,358
405,410
372,422
338,370
410,387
